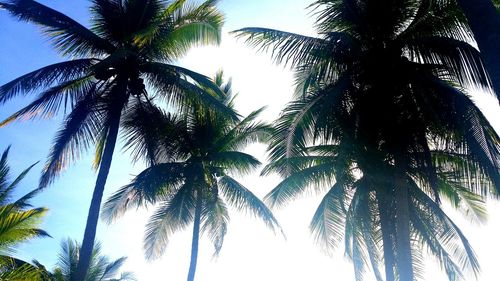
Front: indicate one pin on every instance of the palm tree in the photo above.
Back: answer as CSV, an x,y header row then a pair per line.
x,y
191,159
131,44
484,20
19,223
101,267
384,85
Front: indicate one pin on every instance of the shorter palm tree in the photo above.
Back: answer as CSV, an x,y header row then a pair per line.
x,y
191,160
101,267
19,223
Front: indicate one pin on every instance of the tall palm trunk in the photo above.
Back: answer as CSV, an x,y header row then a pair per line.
x,y
95,205
484,21
403,245
386,228
196,236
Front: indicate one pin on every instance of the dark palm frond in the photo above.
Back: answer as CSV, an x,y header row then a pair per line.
x,y
242,135
286,166
474,135
79,131
446,232
49,102
244,200
234,162
144,137
45,77
4,170
23,201
355,247
471,205
150,186
314,178
7,189
444,20
327,224
317,117
66,34
285,47
462,61
175,85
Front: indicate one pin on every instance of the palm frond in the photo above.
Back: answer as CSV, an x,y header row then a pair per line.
x,y
327,224
243,199
215,219
234,162
285,47
171,216
153,134
17,226
462,61
66,34
181,26
44,77
50,101
80,129
174,83
150,186
316,178
446,231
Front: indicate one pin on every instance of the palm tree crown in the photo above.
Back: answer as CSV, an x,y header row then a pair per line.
x,y
101,267
130,44
191,158
382,118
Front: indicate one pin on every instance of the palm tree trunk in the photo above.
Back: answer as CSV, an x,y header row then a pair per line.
x,y
196,237
403,246
484,21
386,228
95,205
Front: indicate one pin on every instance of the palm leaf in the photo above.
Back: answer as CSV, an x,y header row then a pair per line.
x,y
66,34
44,77
171,216
243,199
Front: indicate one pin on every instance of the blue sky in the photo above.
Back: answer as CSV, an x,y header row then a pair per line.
x,y
249,247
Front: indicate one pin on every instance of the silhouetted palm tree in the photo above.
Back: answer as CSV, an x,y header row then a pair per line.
x,y
19,223
191,158
130,44
383,84
100,269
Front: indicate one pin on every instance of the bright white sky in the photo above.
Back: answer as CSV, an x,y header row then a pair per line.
x,y
250,252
